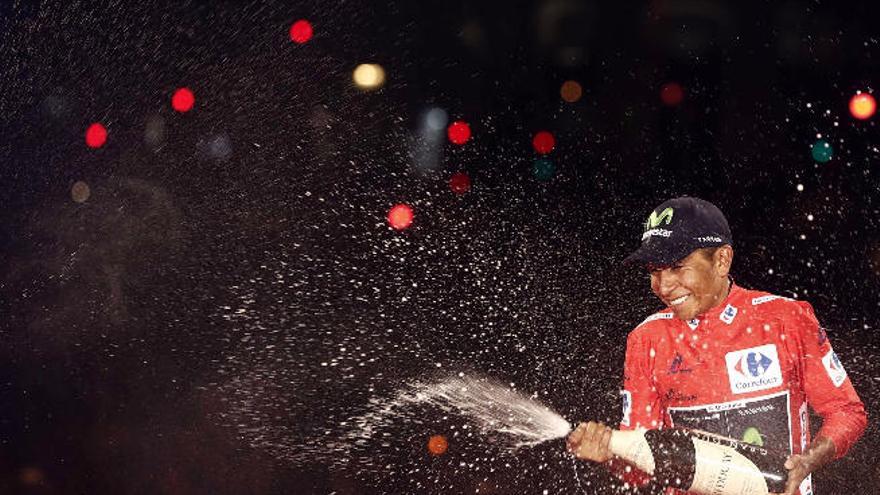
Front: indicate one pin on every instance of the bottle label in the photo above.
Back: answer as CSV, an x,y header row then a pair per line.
x,y
764,420
632,446
722,470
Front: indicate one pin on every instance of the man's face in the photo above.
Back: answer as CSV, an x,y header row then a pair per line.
x,y
694,284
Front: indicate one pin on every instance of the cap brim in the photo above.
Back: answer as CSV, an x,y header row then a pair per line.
x,y
658,254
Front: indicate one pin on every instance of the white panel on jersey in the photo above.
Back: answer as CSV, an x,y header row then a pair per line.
x,y
728,314
756,368
834,368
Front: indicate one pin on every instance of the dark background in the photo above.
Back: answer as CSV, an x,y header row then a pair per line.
x,y
230,292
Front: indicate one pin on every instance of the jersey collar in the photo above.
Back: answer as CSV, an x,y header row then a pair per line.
x,y
725,312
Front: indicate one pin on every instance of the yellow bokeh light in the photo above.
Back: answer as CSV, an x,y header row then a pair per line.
x,y
369,76
571,91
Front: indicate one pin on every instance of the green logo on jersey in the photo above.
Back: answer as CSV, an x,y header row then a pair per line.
x,y
654,220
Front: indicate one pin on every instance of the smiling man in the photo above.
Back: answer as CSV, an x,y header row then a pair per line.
x,y
720,358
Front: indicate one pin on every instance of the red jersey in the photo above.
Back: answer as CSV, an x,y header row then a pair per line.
x,y
746,369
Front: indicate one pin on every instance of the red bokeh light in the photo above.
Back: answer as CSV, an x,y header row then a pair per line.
x,y
301,31
671,94
96,135
400,216
543,142
460,183
459,132
437,445
862,106
183,100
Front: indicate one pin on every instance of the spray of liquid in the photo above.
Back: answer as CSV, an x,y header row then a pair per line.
x,y
509,418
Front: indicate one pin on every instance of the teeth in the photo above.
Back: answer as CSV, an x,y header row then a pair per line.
x,y
676,302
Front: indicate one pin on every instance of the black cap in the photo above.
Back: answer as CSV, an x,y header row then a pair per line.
x,y
676,228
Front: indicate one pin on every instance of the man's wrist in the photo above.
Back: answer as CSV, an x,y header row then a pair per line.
x,y
821,452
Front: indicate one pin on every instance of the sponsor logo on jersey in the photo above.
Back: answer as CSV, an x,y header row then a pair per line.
x,y
657,316
694,323
761,300
674,396
728,314
834,368
626,402
677,365
753,369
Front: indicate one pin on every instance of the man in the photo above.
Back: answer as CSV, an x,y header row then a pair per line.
x,y
724,359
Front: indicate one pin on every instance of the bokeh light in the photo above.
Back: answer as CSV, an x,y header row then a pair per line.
x,y
460,183
96,135
400,216
183,100
571,91
543,142
301,31
862,106
369,76
543,169
437,445
80,192
459,132
822,151
671,94
436,119
32,476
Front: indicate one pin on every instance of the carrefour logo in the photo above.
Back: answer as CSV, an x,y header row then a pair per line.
x,y
753,369
753,364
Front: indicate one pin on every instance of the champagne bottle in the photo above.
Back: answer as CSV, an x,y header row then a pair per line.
x,y
700,462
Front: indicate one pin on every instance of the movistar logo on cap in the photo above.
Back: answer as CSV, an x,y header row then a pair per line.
x,y
654,220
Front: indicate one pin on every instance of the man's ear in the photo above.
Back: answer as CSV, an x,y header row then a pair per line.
x,y
723,260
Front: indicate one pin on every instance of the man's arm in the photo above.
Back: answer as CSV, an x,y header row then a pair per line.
x,y
830,393
641,409
829,390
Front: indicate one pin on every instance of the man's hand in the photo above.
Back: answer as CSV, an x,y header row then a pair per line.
x,y
799,466
589,441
